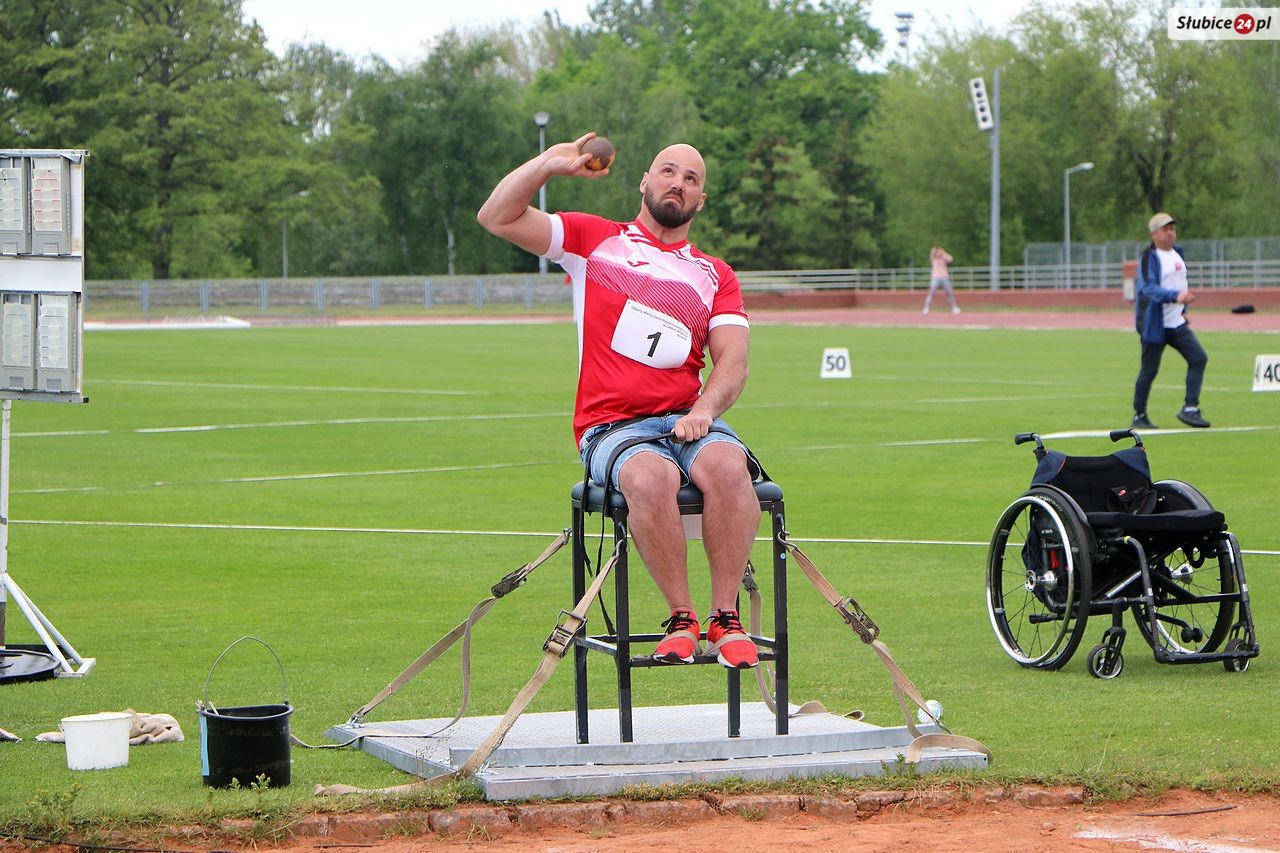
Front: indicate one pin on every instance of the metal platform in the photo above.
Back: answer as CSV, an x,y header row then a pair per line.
x,y
672,745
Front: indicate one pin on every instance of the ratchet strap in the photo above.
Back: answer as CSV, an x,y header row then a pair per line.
x,y
509,583
903,690
557,644
569,625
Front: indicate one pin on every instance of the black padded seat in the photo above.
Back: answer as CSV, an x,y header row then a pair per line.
x,y
1173,522
689,499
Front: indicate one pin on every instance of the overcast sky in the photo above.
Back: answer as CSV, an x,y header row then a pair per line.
x,y
398,29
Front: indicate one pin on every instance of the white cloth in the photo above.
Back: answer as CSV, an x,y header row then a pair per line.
x,y
144,728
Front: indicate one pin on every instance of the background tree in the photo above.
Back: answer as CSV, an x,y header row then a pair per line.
x,y
753,84
444,136
204,142
328,190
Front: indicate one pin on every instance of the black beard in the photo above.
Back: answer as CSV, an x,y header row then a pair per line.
x,y
665,216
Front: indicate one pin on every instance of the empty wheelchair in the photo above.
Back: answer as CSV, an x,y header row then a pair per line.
x,y
1093,535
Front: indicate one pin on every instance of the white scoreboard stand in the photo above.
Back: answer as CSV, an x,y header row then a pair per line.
x,y
41,345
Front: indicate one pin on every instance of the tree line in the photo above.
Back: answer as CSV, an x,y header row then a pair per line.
x,y
209,152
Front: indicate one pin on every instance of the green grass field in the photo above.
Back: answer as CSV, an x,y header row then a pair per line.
x,y
150,526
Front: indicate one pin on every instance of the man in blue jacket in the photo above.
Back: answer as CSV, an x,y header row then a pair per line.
x,y
1160,312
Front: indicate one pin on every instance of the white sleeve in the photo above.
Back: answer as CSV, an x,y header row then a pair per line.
x,y
555,252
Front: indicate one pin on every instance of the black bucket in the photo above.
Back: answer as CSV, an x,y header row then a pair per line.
x,y
242,744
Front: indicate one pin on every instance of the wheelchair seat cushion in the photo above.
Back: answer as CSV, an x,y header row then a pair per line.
x,y
1173,522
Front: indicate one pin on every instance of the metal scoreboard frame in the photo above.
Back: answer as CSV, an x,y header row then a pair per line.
x,y
41,349
42,274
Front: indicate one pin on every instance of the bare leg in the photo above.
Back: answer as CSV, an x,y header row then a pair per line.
x,y
730,517
650,483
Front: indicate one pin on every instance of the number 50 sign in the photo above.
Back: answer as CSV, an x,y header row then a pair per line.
x,y
1266,373
835,364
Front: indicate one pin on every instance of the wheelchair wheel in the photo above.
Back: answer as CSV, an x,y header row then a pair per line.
x,y
1185,625
1235,664
1038,582
1105,662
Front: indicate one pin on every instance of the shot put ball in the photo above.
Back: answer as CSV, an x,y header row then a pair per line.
x,y
601,151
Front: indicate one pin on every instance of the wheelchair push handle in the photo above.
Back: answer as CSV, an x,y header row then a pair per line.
x,y
1024,437
1117,434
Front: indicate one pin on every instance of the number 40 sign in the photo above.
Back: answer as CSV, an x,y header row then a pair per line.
x,y
1266,373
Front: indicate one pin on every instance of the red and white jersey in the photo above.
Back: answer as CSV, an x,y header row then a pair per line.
x,y
644,310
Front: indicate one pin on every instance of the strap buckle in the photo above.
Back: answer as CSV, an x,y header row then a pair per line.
x,y
568,627
857,619
511,581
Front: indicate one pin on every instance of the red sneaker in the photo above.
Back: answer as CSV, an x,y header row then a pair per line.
x,y
726,636
681,642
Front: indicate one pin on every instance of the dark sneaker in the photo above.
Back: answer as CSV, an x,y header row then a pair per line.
x,y
732,645
681,642
1190,415
1140,421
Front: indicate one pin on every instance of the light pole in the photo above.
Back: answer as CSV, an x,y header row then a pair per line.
x,y
284,237
1066,215
904,31
542,119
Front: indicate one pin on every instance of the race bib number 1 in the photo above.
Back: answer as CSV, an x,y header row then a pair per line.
x,y
651,337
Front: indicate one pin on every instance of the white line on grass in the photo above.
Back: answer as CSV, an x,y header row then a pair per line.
x,y
1002,382
330,475
1096,433
1103,433
918,443
389,420
325,389
1017,399
414,531
62,433
351,421
274,478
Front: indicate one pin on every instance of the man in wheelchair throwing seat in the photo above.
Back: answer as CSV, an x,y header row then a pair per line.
x,y
648,304
1095,536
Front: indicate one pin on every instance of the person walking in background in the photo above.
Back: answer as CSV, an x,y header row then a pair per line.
x,y
1160,314
940,276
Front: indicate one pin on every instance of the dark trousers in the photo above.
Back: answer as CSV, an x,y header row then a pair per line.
x,y
1184,341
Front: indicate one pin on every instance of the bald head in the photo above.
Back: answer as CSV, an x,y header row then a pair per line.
x,y
673,191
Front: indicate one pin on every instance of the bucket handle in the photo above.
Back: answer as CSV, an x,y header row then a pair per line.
x,y
284,685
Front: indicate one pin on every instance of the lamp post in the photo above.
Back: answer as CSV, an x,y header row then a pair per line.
x,y
542,119
904,31
284,237
1066,215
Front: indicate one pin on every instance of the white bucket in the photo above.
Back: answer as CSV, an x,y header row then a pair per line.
x,y
97,741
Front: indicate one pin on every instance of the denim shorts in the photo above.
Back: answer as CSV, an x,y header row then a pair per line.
x,y
681,453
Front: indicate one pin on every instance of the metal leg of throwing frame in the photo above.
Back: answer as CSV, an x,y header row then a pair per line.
x,y
61,650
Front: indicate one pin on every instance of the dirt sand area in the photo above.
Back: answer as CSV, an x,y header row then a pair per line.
x,y
1016,819
994,820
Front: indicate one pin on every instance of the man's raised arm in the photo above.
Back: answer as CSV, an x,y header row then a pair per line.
x,y
508,213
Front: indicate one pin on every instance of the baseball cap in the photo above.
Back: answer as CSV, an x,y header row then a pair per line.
x,y
1159,221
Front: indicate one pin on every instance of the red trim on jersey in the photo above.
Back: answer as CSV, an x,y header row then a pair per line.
x,y
613,262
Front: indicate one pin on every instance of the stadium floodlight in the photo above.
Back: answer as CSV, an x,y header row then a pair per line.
x,y
904,33
981,106
41,347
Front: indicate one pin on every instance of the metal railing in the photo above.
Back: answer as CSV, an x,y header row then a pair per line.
x,y
532,292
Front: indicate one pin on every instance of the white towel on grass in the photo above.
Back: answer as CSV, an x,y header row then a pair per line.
x,y
144,728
